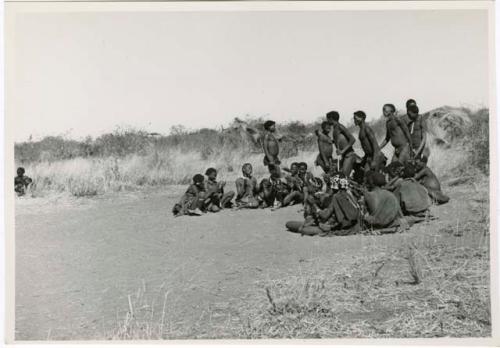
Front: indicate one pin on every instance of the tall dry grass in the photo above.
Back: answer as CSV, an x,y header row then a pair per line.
x,y
129,159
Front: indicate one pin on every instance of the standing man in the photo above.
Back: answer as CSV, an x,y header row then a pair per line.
x,y
418,131
343,141
374,159
397,132
270,145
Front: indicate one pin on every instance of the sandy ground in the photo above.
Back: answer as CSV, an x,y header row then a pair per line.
x,y
76,262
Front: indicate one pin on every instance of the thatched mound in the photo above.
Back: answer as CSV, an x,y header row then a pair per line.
x,y
446,124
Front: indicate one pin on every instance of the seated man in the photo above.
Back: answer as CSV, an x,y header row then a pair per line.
x,y
216,199
21,182
428,179
247,189
192,202
413,197
273,190
383,209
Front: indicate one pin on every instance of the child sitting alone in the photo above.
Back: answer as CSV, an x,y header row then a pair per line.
x,y
21,182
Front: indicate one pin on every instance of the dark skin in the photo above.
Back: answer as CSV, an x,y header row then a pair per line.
x,y
270,145
423,136
325,146
367,139
397,132
343,141
427,178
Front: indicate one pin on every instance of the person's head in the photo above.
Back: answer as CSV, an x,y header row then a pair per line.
x,y
274,170
325,127
413,111
419,164
20,171
395,169
302,168
198,180
270,126
294,168
332,117
211,173
389,110
374,179
410,102
359,117
409,170
247,170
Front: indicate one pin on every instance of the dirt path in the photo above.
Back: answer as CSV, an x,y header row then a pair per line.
x,y
76,264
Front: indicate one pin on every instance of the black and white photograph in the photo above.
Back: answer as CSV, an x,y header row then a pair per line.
x,y
250,171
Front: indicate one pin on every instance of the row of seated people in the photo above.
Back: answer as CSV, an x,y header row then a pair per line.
x,y
347,207
298,186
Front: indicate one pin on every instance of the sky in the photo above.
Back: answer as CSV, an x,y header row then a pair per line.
x,y
79,74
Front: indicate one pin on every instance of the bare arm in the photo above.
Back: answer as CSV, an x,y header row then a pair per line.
x,y
424,137
387,137
349,137
405,130
265,145
421,174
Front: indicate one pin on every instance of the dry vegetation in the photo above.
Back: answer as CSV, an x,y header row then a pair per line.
x,y
131,159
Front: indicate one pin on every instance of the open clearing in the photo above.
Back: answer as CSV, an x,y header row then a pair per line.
x,y
77,262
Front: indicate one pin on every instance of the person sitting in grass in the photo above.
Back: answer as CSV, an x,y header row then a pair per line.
x,y
382,206
274,189
270,145
425,176
193,201
413,197
216,199
325,147
295,186
374,159
21,182
247,189
397,133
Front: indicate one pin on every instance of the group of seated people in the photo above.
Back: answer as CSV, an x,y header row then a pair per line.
x,y
396,196
278,190
21,182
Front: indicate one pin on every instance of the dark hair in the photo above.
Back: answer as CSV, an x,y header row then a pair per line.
x,y
325,124
410,102
413,108
409,171
268,124
294,164
272,167
210,171
375,179
332,116
303,164
391,106
246,165
198,178
20,171
360,114
394,167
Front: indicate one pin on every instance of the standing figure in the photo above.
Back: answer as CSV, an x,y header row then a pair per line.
x,y
247,188
325,147
397,132
418,131
374,159
270,145
343,141
216,199
21,182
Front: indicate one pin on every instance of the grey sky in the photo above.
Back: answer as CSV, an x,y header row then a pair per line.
x,y
91,72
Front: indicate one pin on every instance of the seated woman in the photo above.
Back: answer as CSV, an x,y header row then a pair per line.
x,y
383,209
216,198
429,180
274,189
192,202
247,189
413,197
